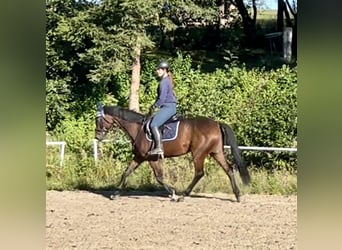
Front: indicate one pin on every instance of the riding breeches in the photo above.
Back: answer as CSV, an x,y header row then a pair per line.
x,y
166,111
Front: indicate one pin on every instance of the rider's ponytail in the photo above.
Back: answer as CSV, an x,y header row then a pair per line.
x,y
171,81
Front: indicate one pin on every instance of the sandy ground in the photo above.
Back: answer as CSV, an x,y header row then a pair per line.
x,y
89,220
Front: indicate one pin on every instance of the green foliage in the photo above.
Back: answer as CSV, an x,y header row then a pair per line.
x,y
56,108
78,133
265,108
189,12
118,147
148,85
278,182
90,44
89,48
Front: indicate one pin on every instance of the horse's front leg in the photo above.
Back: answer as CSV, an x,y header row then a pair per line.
x,y
135,163
158,173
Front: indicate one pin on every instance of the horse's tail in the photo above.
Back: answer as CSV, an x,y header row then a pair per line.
x,y
230,139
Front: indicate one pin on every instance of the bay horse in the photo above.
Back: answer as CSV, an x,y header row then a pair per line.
x,y
200,136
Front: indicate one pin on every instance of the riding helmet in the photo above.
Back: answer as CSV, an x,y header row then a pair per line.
x,y
163,65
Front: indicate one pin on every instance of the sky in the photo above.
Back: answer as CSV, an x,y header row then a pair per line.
x,y
271,4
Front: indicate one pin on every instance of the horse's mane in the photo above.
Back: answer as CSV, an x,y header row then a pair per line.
x,y
125,114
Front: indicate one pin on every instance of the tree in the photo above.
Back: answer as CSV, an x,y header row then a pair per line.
x,y
81,57
293,9
59,59
280,15
180,14
88,45
249,23
136,17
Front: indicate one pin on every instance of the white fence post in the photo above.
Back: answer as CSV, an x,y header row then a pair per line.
x,y
61,145
62,152
96,146
287,44
95,149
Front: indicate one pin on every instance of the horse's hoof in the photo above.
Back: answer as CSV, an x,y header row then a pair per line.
x,y
115,195
180,199
175,198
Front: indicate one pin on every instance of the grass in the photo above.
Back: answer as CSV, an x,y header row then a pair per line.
x,y
178,172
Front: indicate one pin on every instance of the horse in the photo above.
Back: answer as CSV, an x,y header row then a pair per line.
x,y
201,136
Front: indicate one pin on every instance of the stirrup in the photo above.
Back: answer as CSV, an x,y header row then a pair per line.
x,y
156,151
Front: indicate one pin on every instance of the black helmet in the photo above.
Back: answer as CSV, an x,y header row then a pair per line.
x,y
163,65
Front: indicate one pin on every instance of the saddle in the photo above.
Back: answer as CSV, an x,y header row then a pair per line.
x,y
168,130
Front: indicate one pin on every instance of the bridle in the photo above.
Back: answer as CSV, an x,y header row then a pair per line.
x,y
103,130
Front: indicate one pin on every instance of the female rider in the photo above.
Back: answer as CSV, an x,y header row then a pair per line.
x,y
166,102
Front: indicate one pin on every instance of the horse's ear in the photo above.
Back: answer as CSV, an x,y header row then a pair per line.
x,y
99,109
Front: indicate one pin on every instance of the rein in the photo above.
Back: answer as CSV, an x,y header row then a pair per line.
x,y
111,123
105,130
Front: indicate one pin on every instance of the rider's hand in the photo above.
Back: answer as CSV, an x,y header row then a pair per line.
x,y
152,108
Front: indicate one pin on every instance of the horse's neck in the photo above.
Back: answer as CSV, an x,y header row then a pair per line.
x,y
130,128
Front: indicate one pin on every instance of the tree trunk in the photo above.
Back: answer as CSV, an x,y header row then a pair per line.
x,y
221,14
294,26
280,16
287,17
136,67
249,24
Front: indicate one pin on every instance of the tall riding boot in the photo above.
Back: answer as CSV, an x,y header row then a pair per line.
x,y
157,140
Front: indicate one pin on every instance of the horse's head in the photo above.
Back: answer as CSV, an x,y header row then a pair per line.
x,y
103,123
108,116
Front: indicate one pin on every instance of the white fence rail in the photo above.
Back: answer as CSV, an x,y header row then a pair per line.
x,y
265,148
61,145
95,146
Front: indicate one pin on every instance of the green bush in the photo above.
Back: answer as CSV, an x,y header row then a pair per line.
x,y
78,134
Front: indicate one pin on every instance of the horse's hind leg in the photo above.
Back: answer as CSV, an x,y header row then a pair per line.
x,y
219,157
199,172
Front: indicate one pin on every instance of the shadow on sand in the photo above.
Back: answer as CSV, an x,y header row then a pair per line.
x,y
150,192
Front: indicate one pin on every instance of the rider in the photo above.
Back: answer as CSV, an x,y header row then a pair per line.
x,y
166,102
